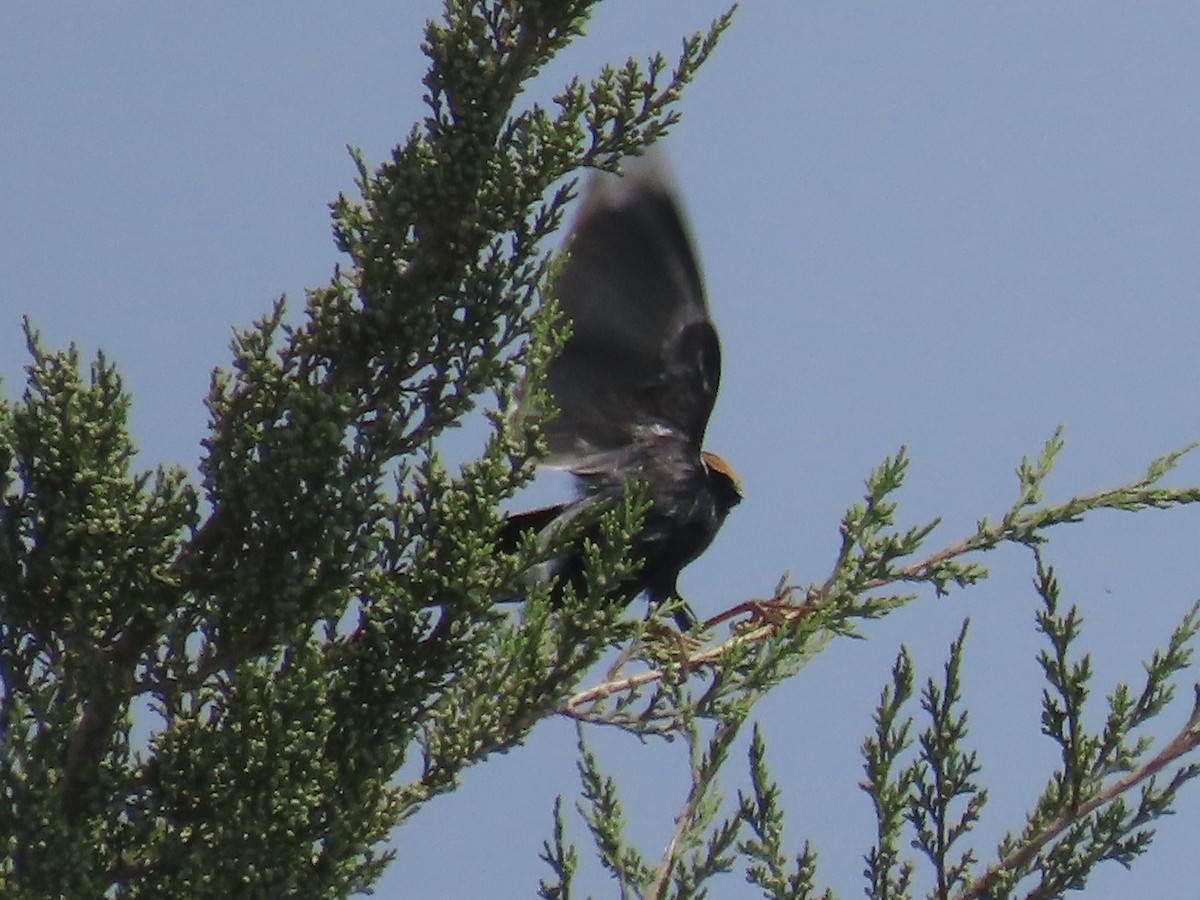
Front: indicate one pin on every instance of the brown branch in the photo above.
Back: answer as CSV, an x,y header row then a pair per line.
x,y
682,821
1184,742
777,612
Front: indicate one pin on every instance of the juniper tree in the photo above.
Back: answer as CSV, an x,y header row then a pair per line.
x,y
210,680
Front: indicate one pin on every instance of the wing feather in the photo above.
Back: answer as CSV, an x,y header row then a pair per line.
x,y
643,358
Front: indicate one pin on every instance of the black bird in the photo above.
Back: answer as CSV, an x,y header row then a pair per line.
x,y
635,382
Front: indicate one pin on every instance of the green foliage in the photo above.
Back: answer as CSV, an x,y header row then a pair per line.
x,y
1082,817
86,552
767,863
319,605
890,784
926,785
941,778
314,616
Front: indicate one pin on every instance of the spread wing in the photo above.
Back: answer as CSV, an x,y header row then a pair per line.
x,y
643,361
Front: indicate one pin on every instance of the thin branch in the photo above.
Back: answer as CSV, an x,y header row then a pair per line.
x,y
1183,743
776,613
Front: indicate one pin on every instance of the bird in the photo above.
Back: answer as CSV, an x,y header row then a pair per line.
x,y
634,385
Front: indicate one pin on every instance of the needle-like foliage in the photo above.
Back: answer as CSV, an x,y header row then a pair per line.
x,y
238,682
926,782
209,684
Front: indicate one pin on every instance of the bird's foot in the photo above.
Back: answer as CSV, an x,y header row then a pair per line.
x,y
778,610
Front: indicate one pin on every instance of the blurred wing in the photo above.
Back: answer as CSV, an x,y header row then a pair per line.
x,y
643,359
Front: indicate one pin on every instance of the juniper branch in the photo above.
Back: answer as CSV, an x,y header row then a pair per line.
x,y
823,615
1183,743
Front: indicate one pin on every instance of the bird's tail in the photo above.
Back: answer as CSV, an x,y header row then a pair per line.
x,y
543,522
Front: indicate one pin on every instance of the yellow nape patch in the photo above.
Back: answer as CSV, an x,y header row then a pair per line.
x,y
718,464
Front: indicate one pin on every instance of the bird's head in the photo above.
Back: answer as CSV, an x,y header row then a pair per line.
x,y
724,480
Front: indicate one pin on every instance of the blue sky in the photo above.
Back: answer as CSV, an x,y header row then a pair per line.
x,y
948,226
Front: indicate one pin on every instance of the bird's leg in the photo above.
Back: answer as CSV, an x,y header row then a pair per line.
x,y
682,641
